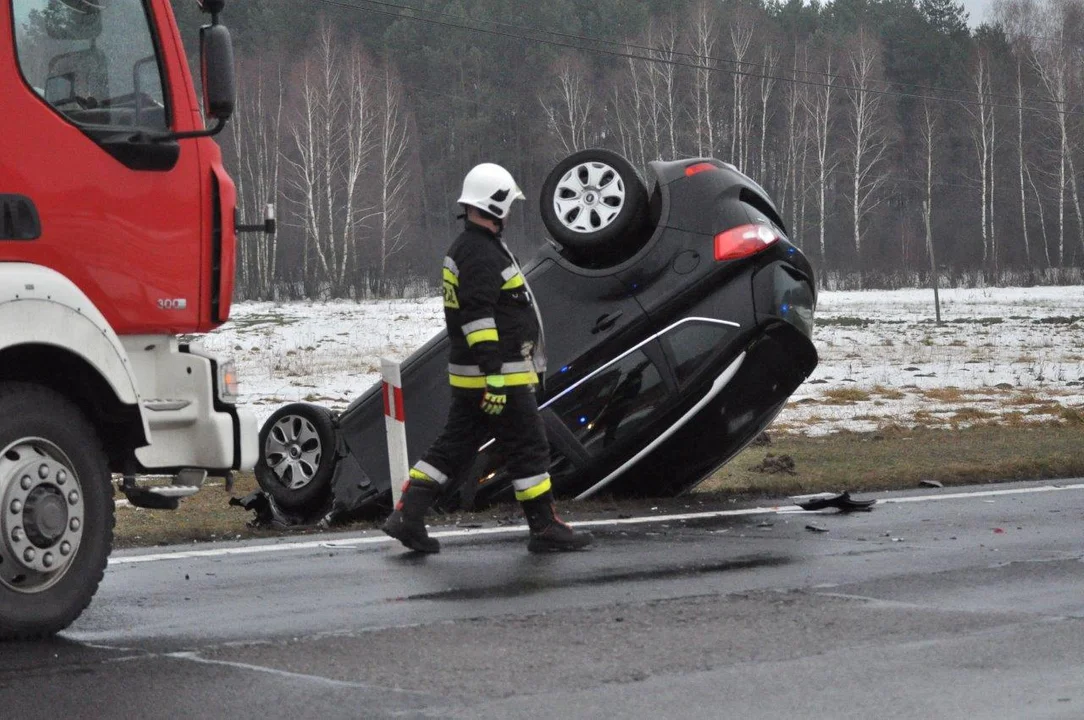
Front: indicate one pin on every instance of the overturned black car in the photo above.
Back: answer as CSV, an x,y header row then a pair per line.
x,y
677,323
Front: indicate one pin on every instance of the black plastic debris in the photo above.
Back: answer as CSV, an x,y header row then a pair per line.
x,y
816,528
270,515
932,483
842,502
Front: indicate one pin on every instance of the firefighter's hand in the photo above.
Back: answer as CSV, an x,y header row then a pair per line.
x,y
495,399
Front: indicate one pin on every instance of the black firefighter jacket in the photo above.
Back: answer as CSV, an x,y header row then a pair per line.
x,y
493,323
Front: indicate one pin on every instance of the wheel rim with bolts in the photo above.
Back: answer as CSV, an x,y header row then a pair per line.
x,y
42,512
589,197
293,451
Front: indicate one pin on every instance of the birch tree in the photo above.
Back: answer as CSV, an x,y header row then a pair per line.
x,y
869,140
703,45
1052,56
741,37
982,134
568,112
767,86
394,178
819,102
256,134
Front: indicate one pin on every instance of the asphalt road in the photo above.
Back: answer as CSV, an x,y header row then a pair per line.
x,y
962,603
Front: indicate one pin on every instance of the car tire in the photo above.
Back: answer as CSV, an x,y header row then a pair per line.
x,y
56,500
297,456
594,204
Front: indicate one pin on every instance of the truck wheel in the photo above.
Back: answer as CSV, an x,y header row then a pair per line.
x,y
594,204
297,456
56,511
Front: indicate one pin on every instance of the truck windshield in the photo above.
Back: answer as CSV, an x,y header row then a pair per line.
x,y
94,61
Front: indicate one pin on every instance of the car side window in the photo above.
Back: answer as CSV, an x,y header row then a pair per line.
x,y
692,344
93,61
614,404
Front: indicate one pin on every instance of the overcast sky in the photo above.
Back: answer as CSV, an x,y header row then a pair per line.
x,y
979,10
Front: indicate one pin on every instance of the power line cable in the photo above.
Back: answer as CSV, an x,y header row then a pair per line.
x,y
694,56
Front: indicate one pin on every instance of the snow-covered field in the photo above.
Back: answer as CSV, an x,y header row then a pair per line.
x,y
1001,355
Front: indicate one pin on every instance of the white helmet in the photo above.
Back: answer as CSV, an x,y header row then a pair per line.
x,y
490,188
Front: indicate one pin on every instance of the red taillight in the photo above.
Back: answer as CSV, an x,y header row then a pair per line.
x,y
699,168
744,241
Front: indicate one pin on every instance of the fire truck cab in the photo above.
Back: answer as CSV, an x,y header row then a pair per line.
x,y
117,247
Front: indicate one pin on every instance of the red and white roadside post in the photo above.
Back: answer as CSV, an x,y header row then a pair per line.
x,y
395,424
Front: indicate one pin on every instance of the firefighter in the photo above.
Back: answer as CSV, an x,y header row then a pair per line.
x,y
496,358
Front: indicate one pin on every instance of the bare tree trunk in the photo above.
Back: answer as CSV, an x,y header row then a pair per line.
x,y
394,174
869,144
568,118
1050,57
1042,216
1020,154
767,85
994,252
981,134
741,36
928,136
819,106
668,70
360,142
704,48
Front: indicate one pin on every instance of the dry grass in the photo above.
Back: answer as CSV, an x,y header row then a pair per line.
x,y
845,396
971,414
888,393
897,457
949,394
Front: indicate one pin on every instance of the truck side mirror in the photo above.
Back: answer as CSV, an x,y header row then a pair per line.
x,y
216,65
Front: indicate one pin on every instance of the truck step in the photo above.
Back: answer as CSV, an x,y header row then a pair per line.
x,y
166,404
163,497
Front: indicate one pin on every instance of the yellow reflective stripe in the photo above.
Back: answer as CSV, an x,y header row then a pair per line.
x,y
515,282
473,382
487,335
450,277
531,493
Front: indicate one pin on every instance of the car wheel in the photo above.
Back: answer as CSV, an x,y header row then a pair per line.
x,y
594,204
56,511
297,456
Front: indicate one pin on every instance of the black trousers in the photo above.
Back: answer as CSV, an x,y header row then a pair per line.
x,y
519,432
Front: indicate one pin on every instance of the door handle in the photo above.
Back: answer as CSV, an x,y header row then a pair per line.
x,y
18,218
605,322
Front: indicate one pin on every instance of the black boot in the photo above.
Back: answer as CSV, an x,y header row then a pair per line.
x,y
407,523
548,532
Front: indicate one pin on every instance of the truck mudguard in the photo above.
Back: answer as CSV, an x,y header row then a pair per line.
x,y
40,306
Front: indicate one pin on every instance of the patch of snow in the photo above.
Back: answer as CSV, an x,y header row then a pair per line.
x,y
1000,353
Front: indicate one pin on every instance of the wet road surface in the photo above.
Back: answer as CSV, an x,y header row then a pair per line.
x,y
941,603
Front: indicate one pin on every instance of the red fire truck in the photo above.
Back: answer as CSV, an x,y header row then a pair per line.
x,y
117,238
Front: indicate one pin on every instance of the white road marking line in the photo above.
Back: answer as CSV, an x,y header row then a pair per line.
x,y
319,679
505,530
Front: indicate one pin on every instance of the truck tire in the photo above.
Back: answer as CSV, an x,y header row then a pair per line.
x,y
56,511
594,204
297,456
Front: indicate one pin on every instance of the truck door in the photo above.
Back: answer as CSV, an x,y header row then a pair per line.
x,y
121,219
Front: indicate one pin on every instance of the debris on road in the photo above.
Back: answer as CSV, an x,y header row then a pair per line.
x,y
932,483
842,502
816,528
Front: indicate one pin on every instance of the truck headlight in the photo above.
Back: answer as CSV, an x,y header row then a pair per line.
x,y
227,382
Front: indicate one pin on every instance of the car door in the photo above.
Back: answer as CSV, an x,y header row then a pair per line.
x,y
589,318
